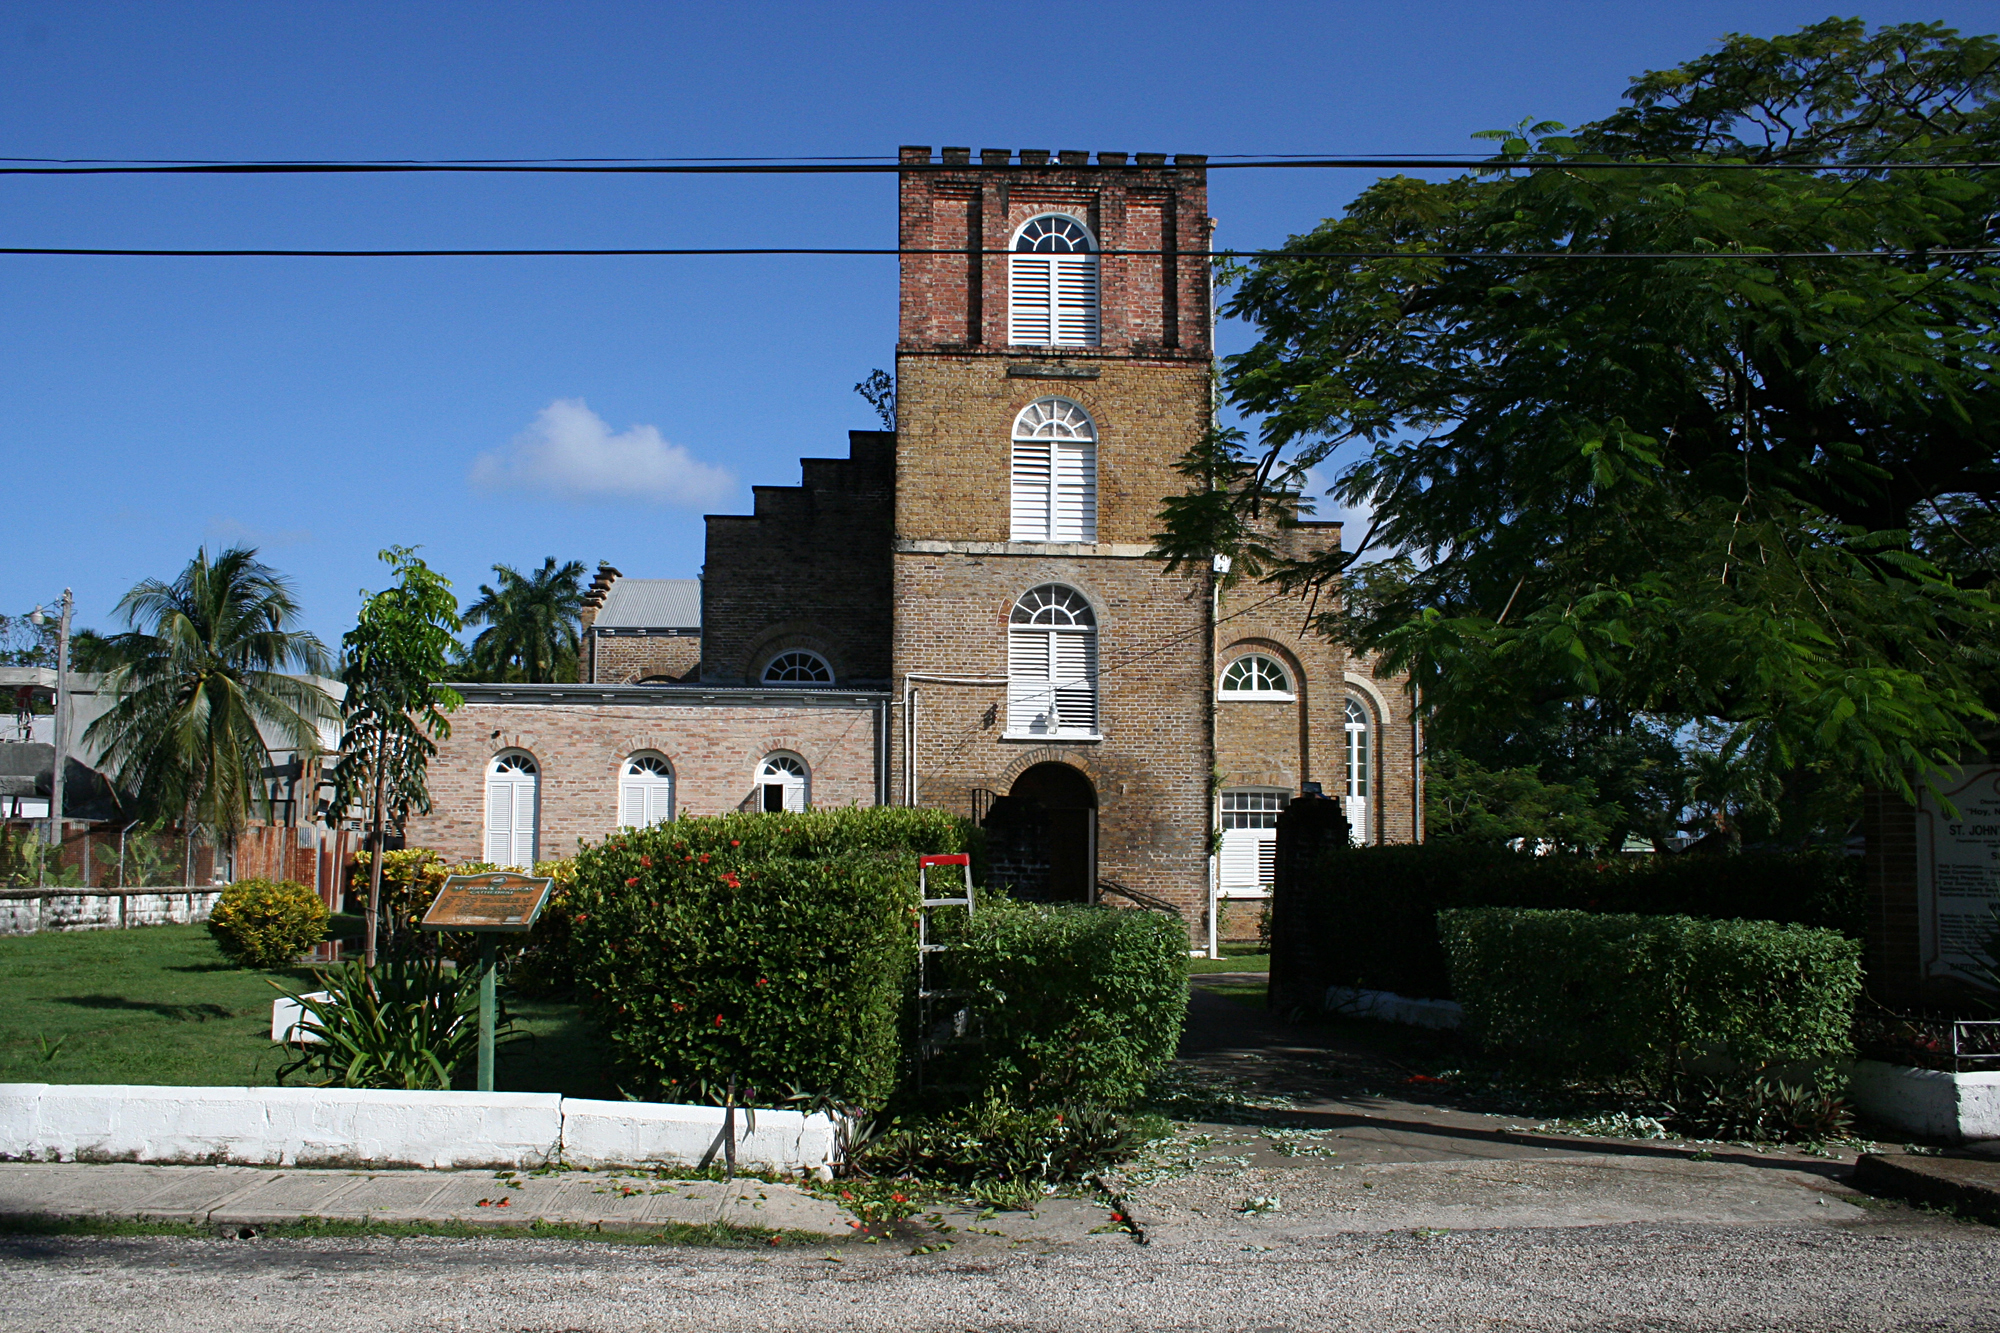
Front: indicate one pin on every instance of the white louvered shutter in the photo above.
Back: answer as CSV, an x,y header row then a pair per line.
x,y
1074,517
524,826
632,808
1031,281
1240,860
1076,300
1031,490
499,820
1267,858
1030,702
1076,681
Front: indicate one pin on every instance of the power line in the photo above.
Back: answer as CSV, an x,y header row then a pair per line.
x,y
871,166
1498,256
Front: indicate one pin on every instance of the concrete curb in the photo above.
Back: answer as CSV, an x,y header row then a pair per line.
x,y
1969,1186
1928,1102
356,1127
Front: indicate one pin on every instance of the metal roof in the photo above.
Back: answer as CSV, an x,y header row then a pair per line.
x,y
652,604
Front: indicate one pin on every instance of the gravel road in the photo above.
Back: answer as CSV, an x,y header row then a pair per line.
x,y
1894,1269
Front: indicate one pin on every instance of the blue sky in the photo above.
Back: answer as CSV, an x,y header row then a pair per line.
x,y
322,409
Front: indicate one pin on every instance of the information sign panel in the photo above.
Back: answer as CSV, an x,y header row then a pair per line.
x,y
497,900
1958,872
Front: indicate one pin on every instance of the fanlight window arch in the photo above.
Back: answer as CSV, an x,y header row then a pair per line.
x,y
1052,664
1358,727
1256,676
783,783
1052,283
513,808
645,791
1055,473
799,666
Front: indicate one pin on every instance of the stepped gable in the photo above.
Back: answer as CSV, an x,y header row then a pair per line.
x,y
808,568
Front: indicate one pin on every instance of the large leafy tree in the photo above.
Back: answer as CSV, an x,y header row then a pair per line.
x,y
212,676
532,623
394,664
1706,436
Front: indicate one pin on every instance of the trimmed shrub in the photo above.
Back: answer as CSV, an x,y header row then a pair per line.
x,y
267,923
1368,917
815,834
1073,1005
1623,1000
778,973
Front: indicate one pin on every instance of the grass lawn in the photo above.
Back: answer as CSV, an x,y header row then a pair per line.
x,y
1235,958
160,1004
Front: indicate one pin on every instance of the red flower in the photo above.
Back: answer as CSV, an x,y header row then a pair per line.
x,y
731,880
762,980
677,1008
718,1020
646,861
632,881
579,917
899,1198
735,843
704,858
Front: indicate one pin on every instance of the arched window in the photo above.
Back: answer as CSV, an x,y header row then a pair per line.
x,y
1055,473
1052,664
513,809
645,791
1052,283
800,666
783,783
1249,861
1357,770
1256,677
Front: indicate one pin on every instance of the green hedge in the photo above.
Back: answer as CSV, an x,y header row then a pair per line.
x,y
1074,1005
1624,1000
1368,917
795,931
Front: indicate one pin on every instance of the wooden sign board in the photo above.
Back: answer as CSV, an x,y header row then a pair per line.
x,y
498,900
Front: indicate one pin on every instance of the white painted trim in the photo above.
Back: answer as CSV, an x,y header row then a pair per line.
x,y
1383,716
1928,1102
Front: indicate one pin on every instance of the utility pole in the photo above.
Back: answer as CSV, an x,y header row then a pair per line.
x,y
61,727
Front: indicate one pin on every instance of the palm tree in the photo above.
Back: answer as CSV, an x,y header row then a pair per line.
x,y
533,622
203,694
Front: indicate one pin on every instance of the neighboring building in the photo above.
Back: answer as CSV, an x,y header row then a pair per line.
x,y
963,612
640,631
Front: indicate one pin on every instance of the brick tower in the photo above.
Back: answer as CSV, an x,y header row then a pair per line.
x,y
1048,378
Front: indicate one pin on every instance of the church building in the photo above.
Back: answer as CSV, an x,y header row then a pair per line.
x,y
962,613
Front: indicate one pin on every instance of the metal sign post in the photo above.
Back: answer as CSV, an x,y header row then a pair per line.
x,y
498,902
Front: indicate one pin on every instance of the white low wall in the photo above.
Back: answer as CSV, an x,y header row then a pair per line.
x,y
1927,1102
356,1127
1389,1007
106,909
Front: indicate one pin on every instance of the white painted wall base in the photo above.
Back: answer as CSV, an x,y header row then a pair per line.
x,y
368,1127
106,909
1927,1102
1389,1007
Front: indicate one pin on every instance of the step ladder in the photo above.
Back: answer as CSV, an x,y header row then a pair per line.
x,y
938,1024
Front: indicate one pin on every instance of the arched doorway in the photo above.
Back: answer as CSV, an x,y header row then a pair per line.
x,y
1042,836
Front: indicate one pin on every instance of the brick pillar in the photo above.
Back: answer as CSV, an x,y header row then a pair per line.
x,y
1310,827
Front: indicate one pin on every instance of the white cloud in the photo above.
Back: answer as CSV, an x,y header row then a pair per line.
x,y
572,453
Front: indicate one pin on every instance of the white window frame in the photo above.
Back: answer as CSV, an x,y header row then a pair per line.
x,y
1247,665
513,786
1052,666
1248,863
791,774
645,789
1358,759
800,658
1054,480
1052,283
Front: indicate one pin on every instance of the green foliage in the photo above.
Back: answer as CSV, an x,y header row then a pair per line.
x,y
820,833
1073,1005
409,1024
394,664
267,923
715,971
1468,803
206,676
1681,488
1622,1000
1758,1110
1370,918
994,1144
26,859
534,624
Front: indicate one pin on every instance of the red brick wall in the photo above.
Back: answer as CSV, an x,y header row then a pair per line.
x,y
580,748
